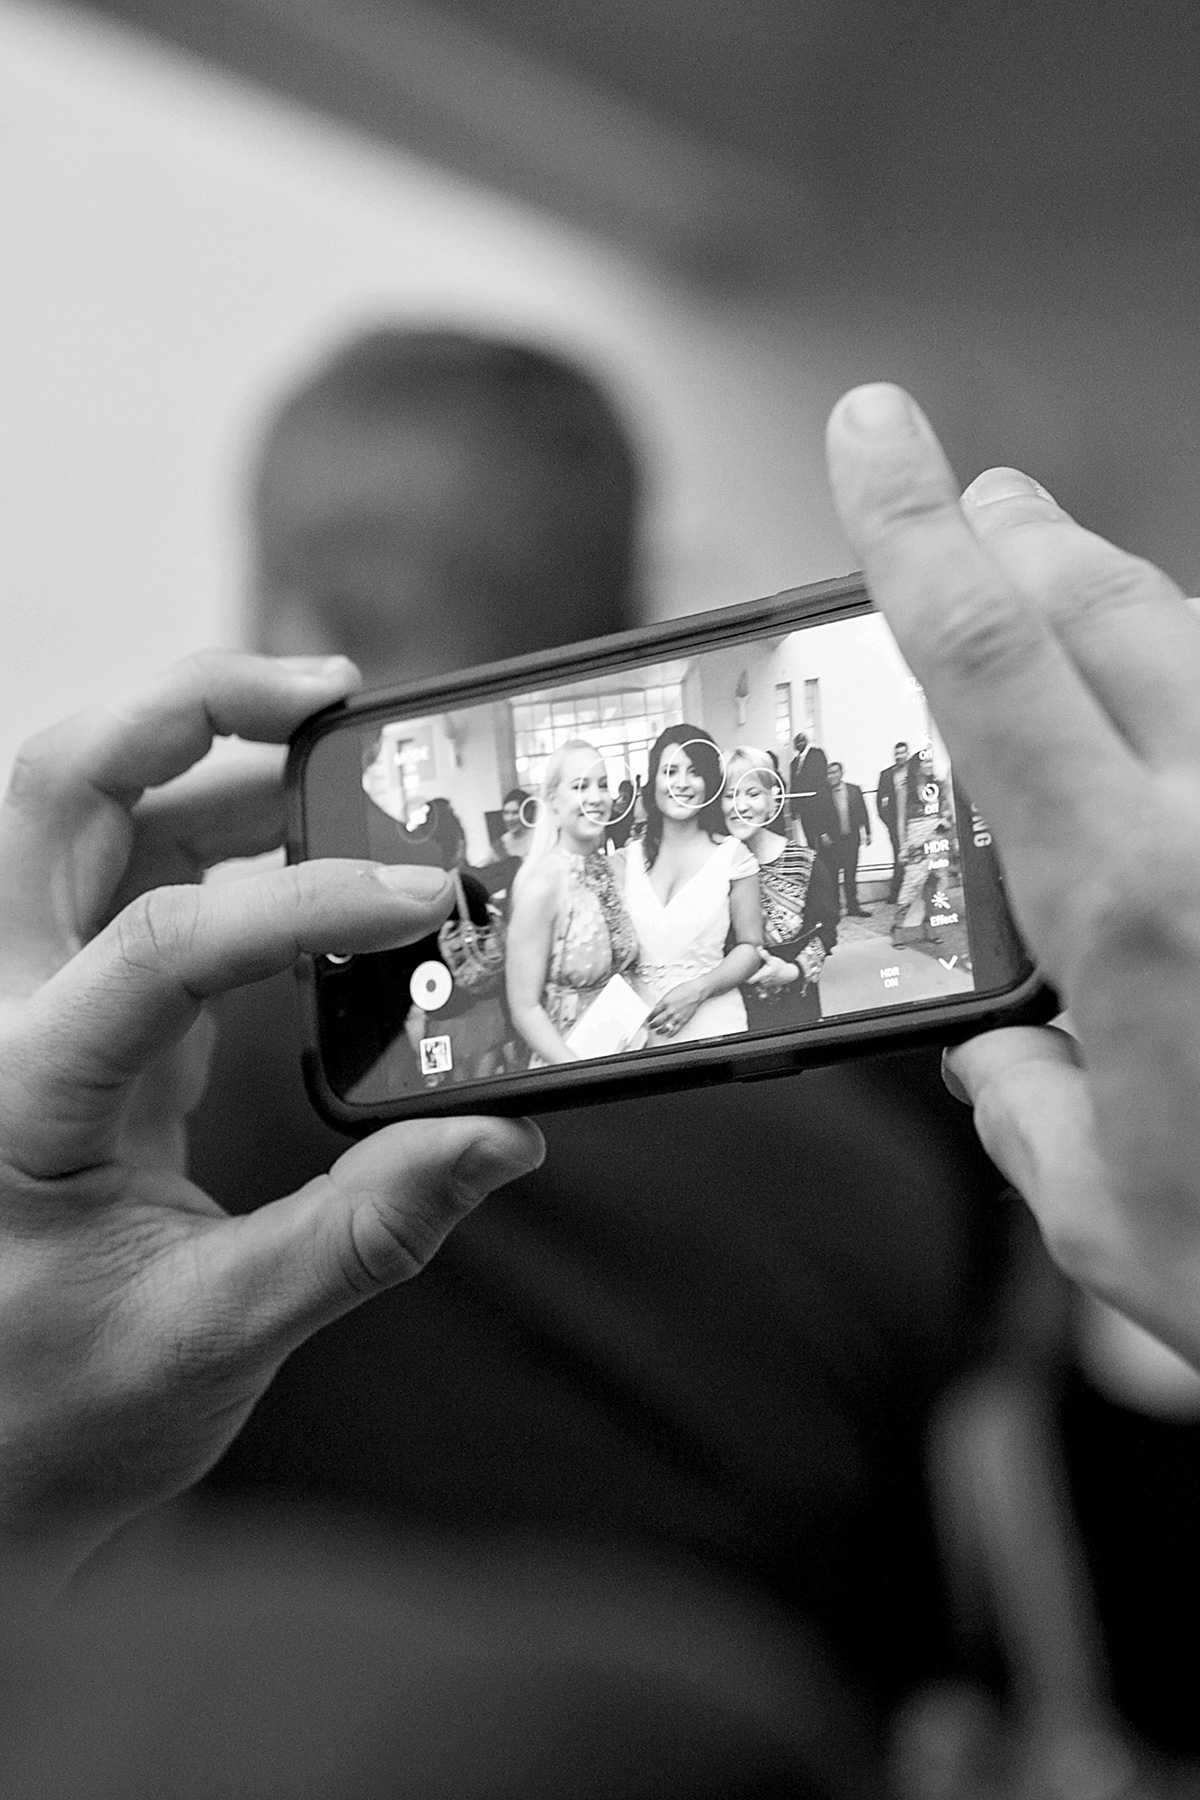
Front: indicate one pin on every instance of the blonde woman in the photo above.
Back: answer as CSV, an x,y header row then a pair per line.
x,y
797,891
569,932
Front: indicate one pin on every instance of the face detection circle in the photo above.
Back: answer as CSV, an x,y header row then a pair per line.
x,y
678,783
618,771
430,986
744,808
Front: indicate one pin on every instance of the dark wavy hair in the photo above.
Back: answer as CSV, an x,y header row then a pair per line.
x,y
705,758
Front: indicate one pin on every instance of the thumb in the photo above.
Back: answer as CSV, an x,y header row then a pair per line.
x,y
1034,1117
375,1220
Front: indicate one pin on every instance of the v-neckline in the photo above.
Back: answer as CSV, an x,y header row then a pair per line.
x,y
684,885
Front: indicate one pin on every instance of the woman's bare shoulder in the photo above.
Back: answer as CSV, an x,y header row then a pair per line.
x,y
537,886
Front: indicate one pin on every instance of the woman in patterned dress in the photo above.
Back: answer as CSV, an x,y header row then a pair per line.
x,y
798,892
568,932
692,893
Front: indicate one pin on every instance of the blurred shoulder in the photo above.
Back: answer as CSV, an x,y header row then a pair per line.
x,y
538,885
741,861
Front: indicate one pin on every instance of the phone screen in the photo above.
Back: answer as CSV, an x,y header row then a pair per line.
x,y
732,842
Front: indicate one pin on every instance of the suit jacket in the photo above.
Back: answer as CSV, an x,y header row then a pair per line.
x,y
812,803
885,803
856,809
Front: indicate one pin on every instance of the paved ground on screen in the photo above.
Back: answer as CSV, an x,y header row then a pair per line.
x,y
867,970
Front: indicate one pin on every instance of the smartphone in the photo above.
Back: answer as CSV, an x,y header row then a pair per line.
x,y
721,848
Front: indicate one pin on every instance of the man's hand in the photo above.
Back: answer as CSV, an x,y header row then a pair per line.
x,y
138,1323
1065,677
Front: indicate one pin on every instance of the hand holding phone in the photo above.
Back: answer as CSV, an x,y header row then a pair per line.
x,y
139,1324
1066,676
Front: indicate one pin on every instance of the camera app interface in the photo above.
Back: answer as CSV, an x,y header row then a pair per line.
x,y
746,839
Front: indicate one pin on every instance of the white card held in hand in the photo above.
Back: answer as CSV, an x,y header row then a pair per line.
x,y
611,1022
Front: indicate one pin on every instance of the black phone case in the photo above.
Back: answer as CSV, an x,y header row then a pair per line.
x,y
662,1069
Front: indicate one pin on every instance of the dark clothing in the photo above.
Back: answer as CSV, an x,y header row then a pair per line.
x,y
1132,1482
366,1005
889,810
799,902
846,844
710,1329
810,802
478,913
858,825
497,877
216,1651
618,832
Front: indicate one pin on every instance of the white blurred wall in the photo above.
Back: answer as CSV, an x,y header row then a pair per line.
x,y
176,244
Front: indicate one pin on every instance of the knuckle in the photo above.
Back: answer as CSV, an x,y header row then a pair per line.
x,y
385,1246
307,893
38,769
902,497
1142,909
305,883
982,634
191,698
199,668
1109,581
156,930
1079,1250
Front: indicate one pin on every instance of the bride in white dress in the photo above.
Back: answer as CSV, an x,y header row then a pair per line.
x,y
687,886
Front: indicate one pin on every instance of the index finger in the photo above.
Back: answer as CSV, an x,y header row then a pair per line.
x,y
1125,625
1034,748
65,825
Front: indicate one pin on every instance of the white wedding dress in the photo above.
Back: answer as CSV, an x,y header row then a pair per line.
x,y
686,937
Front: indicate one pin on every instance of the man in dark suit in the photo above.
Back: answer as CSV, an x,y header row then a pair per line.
x,y
891,802
853,831
808,789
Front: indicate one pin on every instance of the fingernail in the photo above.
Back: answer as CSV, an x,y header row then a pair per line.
x,y
952,1083
1005,484
419,881
322,668
880,410
486,1166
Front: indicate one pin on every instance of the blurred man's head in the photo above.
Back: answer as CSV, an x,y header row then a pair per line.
x,y
432,499
515,809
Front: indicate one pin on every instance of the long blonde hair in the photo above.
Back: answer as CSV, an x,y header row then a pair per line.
x,y
546,825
